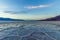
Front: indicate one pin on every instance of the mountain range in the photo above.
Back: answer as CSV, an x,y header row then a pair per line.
x,y
9,19
56,18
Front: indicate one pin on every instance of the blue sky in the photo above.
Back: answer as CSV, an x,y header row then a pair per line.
x,y
29,9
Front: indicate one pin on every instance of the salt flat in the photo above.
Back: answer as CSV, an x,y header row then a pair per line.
x,y
37,30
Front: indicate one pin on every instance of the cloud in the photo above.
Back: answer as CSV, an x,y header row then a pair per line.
x,y
39,6
16,12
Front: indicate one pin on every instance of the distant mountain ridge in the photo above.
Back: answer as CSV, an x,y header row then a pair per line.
x,y
57,18
9,19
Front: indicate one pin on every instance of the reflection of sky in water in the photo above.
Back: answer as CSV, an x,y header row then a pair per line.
x,y
25,30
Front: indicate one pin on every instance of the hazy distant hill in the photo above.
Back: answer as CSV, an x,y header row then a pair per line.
x,y
9,19
57,18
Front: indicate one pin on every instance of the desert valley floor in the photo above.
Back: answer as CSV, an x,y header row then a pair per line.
x,y
37,30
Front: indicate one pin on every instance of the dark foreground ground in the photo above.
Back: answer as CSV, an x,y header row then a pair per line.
x,y
40,30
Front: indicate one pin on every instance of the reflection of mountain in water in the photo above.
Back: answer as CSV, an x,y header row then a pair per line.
x,y
30,31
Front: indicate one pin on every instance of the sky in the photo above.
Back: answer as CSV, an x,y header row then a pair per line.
x,y
29,9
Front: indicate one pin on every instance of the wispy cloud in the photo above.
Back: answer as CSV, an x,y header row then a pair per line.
x,y
39,6
16,12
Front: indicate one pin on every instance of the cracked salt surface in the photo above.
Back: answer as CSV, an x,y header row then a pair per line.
x,y
30,30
